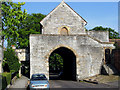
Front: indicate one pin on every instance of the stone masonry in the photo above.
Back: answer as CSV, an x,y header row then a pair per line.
x,y
88,47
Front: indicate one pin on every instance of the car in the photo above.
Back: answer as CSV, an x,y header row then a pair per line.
x,y
39,81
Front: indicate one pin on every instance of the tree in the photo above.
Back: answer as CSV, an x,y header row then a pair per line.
x,y
18,25
1,43
11,60
112,33
55,62
12,16
31,25
0,28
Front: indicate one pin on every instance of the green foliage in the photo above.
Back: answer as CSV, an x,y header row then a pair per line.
x,y
11,59
12,71
112,33
12,17
17,75
56,62
6,78
0,24
31,25
18,25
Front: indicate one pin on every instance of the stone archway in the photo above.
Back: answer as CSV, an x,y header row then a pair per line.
x,y
69,64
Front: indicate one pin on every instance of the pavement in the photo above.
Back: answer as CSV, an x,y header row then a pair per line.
x,y
20,83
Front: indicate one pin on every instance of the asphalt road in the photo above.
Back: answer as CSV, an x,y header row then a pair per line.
x,y
22,83
75,84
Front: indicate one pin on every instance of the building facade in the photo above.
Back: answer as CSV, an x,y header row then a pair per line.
x,y
63,32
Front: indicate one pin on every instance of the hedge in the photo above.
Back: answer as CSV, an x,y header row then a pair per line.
x,y
6,78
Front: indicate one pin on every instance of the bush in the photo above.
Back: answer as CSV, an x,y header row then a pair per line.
x,y
17,75
6,78
12,71
13,74
11,59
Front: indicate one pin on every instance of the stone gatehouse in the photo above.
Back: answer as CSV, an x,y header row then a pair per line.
x,y
63,32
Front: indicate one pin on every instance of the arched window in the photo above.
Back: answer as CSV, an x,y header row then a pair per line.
x,y
64,31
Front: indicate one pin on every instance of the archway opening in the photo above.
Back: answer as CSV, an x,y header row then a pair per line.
x,y
62,64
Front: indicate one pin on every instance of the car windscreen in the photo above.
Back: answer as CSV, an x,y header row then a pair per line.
x,y
38,77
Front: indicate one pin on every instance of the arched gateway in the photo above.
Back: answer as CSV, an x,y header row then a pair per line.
x,y
69,63
64,33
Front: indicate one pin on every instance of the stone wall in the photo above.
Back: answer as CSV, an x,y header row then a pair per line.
x,y
63,16
103,36
116,58
22,54
89,53
88,47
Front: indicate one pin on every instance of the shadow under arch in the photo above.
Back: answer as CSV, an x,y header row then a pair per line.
x,y
65,46
68,72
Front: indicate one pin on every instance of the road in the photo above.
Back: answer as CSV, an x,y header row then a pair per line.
x,y
22,83
75,84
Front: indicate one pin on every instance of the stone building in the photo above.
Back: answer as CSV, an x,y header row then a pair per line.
x,y
63,32
116,54
23,56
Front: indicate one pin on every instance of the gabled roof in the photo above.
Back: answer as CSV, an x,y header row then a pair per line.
x,y
57,7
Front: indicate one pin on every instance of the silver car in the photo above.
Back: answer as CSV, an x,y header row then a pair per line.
x,y
39,81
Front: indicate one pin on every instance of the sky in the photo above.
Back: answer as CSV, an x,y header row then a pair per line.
x,y
66,0
95,13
